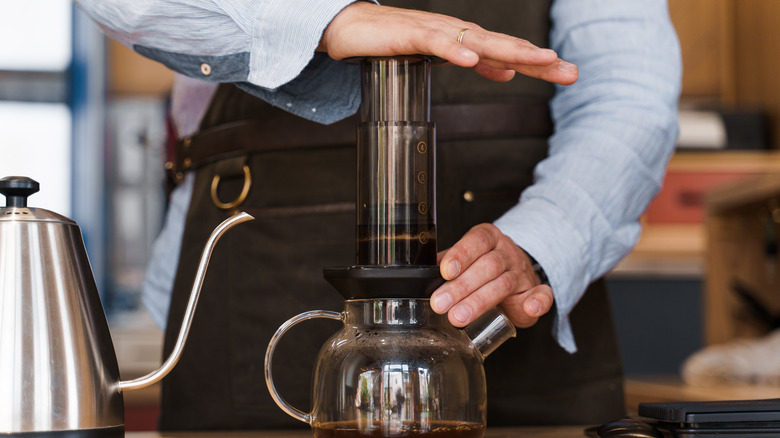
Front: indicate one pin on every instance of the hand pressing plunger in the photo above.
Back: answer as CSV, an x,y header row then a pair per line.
x,y
366,29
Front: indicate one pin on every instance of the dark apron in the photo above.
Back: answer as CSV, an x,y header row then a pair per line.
x,y
302,195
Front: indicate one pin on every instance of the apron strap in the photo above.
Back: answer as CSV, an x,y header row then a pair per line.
x,y
285,131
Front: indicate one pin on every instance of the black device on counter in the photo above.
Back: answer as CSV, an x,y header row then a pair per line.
x,y
753,418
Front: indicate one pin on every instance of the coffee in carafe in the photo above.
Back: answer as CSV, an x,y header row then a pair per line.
x,y
415,430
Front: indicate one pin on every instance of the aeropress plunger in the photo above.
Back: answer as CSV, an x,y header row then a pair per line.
x,y
396,180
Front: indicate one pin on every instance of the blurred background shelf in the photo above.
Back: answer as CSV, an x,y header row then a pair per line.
x,y
672,250
674,238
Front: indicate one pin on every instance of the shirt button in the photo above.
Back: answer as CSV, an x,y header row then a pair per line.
x,y
205,69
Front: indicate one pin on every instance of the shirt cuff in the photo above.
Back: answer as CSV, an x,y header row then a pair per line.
x,y
552,243
307,95
285,36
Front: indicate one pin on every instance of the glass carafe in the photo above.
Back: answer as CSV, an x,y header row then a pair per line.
x,y
397,369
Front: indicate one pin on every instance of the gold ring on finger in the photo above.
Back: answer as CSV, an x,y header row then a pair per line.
x,y
461,33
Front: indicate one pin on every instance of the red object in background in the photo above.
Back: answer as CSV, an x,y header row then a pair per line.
x,y
141,418
681,199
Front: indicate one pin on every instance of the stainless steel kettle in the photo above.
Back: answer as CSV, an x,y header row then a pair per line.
x,y
58,370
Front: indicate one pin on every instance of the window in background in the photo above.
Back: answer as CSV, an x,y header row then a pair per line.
x,y
35,139
52,105
53,119
41,35
35,116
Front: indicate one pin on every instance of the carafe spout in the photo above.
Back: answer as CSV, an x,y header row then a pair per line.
x,y
489,331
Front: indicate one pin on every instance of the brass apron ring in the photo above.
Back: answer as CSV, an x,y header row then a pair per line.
x,y
241,197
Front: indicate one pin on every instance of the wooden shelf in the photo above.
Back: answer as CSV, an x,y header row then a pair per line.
x,y
679,250
666,250
743,220
743,161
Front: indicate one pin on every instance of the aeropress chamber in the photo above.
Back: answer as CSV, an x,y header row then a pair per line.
x,y
396,195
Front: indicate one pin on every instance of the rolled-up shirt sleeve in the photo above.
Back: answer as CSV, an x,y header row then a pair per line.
x,y
615,129
266,47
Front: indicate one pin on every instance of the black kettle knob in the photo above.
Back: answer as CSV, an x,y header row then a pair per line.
x,y
16,190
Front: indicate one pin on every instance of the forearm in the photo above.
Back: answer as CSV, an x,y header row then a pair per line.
x,y
275,39
615,129
265,46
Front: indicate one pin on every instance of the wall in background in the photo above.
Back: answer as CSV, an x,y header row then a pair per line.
x,y
659,322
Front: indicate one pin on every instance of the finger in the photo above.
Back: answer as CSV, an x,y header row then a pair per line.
x,y
440,256
525,309
479,240
482,299
494,74
503,52
440,39
509,50
487,268
498,50
560,72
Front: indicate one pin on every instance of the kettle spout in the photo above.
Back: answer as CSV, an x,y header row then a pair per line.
x,y
489,331
184,331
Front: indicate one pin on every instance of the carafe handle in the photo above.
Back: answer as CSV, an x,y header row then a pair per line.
x,y
269,355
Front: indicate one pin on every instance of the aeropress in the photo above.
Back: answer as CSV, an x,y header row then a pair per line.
x,y
396,368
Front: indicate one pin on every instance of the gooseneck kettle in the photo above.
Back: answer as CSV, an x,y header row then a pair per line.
x,y
58,370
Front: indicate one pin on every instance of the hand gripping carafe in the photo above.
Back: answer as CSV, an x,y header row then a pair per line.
x,y
396,368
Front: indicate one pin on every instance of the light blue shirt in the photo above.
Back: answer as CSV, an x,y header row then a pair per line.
x,y
615,128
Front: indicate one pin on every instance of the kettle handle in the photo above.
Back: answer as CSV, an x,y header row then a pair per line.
x,y
269,354
184,331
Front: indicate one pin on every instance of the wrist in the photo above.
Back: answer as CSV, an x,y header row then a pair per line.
x,y
539,271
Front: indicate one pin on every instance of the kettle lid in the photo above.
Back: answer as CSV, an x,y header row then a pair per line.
x,y
16,190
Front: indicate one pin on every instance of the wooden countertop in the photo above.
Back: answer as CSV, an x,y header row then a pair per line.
x,y
496,432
